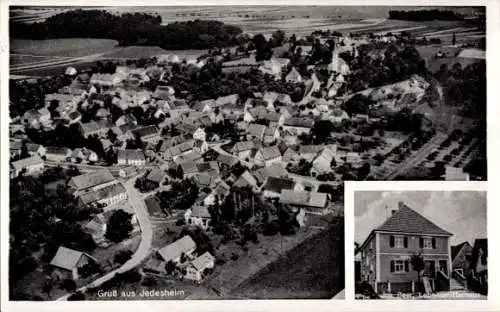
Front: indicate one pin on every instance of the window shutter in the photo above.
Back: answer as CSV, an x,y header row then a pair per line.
x,y
392,265
421,242
433,243
391,241
405,242
407,266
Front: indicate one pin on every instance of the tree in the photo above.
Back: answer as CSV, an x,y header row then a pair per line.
x,y
170,267
417,264
279,37
68,285
321,130
123,256
119,226
78,296
47,287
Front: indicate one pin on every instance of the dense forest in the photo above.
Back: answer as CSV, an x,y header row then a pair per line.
x,y
426,15
129,29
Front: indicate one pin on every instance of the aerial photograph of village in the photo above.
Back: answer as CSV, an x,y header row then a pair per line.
x,y
200,152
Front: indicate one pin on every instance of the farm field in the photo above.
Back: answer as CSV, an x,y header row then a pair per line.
x,y
72,47
310,270
433,64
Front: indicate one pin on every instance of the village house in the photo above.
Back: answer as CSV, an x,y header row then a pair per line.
x,y
353,158
200,134
83,154
98,225
106,195
154,208
275,170
174,152
298,125
218,194
59,154
293,76
126,119
74,117
274,186
291,156
90,181
105,80
243,150
131,157
35,149
309,152
15,148
386,252
93,128
178,107
196,269
311,202
67,262
246,179
322,163
271,134
156,175
267,156
199,216
461,256
149,134
174,251
255,132
274,67
127,172
31,165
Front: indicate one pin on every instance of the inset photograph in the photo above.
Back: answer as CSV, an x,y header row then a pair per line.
x,y
420,245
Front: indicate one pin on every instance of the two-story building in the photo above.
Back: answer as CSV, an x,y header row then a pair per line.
x,y
387,251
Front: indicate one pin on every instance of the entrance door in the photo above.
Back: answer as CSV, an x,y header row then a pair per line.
x,y
430,268
443,266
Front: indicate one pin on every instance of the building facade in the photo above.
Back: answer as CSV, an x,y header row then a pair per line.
x,y
387,252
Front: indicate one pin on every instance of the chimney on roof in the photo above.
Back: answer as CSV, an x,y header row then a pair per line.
x,y
401,204
393,211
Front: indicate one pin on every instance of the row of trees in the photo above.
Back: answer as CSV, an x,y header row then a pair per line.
x,y
130,29
426,15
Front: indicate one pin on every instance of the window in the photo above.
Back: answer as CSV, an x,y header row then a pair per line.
x,y
398,242
400,266
427,242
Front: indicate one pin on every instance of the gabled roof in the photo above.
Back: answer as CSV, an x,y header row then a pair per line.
x,y
456,249
270,152
203,261
299,122
174,250
309,199
279,184
87,180
200,212
407,220
66,258
27,162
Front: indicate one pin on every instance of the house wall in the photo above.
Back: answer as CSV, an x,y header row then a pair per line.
x,y
368,262
192,274
245,154
388,253
297,130
413,245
